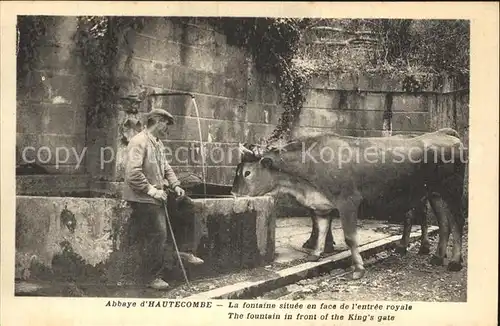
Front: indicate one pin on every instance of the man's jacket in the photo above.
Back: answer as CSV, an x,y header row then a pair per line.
x,y
146,167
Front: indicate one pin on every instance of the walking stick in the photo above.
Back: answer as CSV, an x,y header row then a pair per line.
x,y
175,245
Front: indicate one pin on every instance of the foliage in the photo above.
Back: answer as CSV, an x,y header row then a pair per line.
x,y
274,44
419,50
98,40
415,48
31,29
401,45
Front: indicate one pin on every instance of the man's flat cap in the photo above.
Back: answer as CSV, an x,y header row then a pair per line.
x,y
162,114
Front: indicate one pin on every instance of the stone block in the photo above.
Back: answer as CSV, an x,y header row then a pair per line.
x,y
58,231
200,37
410,121
342,81
196,58
158,27
221,175
366,120
320,81
319,118
182,105
379,82
322,98
82,239
184,79
64,169
255,133
151,73
263,113
189,153
341,119
227,109
216,85
24,148
106,189
165,51
141,46
51,185
186,128
411,102
80,121
58,119
225,131
56,57
65,150
373,101
28,118
237,88
234,66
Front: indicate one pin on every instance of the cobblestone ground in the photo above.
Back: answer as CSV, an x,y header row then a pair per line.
x,y
395,278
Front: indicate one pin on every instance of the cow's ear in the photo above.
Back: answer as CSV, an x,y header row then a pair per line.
x,y
266,162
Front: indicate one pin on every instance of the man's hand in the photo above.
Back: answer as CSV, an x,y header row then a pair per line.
x,y
179,191
158,194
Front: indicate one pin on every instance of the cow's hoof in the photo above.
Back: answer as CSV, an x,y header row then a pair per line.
x,y
313,257
424,250
454,266
437,261
358,273
329,249
401,250
308,245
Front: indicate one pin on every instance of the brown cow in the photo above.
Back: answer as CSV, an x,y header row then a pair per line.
x,y
385,176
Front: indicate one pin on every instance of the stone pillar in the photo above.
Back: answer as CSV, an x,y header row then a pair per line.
x,y
51,97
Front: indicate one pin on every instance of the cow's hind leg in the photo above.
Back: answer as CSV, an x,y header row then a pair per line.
x,y
421,214
348,210
405,238
329,242
440,210
456,221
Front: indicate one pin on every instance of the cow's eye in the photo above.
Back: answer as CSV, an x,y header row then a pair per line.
x,y
247,173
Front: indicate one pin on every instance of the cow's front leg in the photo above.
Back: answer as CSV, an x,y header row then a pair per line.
x,y
313,238
348,210
322,220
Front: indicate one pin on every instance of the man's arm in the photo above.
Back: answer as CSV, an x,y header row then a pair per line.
x,y
134,176
171,177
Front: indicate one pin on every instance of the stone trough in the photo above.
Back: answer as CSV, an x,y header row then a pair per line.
x,y
79,239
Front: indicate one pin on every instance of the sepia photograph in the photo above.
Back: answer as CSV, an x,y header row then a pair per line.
x,y
267,160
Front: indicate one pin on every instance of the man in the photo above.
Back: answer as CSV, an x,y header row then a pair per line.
x,y
147,175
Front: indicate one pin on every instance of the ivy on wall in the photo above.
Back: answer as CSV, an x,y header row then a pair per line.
x,y
274,44
98,42
415,48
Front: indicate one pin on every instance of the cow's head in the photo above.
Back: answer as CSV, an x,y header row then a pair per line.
x,y
254,175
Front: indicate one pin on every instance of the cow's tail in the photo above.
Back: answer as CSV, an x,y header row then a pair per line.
x,y
449,132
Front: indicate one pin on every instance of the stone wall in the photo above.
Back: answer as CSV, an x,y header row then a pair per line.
x,y
236,103
356,104
50,99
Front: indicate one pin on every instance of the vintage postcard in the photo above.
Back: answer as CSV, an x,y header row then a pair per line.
x,y
189,163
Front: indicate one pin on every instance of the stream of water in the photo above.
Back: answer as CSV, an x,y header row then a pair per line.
x,y
202,148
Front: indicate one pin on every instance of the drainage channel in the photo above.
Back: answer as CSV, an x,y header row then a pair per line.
x,y
371,252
